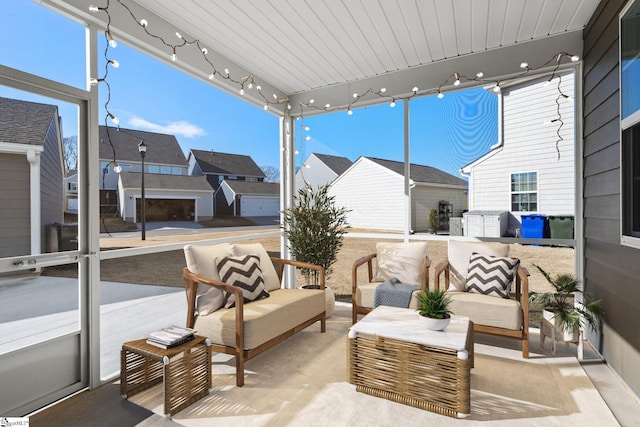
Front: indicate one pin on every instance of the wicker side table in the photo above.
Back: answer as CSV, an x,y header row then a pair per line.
x,y
391,355
185,369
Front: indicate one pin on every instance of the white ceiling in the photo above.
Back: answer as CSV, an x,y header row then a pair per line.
x,y
310,48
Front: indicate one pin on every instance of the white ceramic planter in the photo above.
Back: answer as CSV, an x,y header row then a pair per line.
x,y
560,334
434,324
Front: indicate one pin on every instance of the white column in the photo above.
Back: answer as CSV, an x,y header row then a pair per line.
x,y
33,157
287,186
407,174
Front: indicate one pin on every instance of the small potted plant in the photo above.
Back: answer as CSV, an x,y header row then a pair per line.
x,y
433,307
433,221
563,311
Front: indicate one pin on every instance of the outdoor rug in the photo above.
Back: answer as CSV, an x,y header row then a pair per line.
x,y
302,382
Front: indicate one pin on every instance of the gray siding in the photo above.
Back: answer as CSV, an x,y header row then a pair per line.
x,y
15,237
612,271
51,186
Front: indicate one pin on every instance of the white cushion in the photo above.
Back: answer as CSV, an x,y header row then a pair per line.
x,y
242,272
459,254
202,260
487,311
400,260
271,281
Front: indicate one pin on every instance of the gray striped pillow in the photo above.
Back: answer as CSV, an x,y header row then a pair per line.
x,y
243,272
491,275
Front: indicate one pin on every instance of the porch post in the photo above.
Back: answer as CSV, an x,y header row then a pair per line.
x,y
287,186
407,174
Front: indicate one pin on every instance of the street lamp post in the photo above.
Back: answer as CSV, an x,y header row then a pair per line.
x,y
142,148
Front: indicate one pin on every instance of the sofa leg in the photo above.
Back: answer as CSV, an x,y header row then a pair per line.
x,y
525,348
323,323
239,370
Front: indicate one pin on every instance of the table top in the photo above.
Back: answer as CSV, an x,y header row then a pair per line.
x,y
404,325
142,346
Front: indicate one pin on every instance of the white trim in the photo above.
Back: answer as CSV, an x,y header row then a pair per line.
x,y
33,157
14,148
633,119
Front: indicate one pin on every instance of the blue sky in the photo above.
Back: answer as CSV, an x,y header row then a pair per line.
x,y
148,95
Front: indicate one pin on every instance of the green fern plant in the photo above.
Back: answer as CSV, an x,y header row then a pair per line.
x,y
434,304
569,313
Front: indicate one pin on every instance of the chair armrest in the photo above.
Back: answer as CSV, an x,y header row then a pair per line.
x,y
300,264
424,273
443,266
191,281
368,259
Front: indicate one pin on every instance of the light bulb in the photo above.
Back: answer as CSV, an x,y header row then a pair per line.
x,y
204,51
496,89
547,83
275,96
288,106
93,81
258,88
311,101
93,9
117,168
307,165
575,58
524,65
349,112
383,90
457,81
144,23
355,95
250,86
114,119
307,128
307,138
392,104
297,152
114,63
212,76
226,71
112,41
266,107
241,91
440,95
174,57
479,75
178,35
415,89
327,106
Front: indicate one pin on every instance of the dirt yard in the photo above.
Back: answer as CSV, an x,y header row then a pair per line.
x,y
166,268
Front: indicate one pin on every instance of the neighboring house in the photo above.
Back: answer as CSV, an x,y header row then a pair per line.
x,y
71,192
168,197
246,199
373,190
32,176
217,167
321,169
163,157
526,172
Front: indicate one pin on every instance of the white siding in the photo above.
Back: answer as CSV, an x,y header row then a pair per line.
x,y
425,197
373,193
530,146
317,174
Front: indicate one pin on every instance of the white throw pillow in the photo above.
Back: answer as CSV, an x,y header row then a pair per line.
x,y
459,253
201,260
400,260
271,281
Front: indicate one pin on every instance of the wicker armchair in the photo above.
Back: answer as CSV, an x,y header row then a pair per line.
x,y
508,317
406,261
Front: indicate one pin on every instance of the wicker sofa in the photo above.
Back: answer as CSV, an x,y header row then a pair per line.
x,y
247,329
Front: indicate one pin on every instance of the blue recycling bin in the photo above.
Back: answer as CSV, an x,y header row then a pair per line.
x,y
534,226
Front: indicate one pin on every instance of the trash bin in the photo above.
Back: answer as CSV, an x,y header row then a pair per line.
x,y
67,236
534,226
561,226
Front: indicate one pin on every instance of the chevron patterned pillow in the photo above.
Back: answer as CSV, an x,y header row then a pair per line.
x,y
491,275
243,272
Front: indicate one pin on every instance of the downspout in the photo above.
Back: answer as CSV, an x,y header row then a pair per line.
x,y
33,158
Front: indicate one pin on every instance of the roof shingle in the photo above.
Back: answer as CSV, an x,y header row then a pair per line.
x,y
227,164
23,122
161,148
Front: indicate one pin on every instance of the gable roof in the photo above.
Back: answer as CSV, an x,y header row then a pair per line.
x,y
24,122
421,173
255,188
165,182
337,164
161,148
226,164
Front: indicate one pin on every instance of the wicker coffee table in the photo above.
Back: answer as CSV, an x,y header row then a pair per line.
x,y
186,370
391,354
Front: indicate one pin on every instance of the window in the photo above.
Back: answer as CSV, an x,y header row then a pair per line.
x,y
165,169
125,165
73,187
176,170
154,169
252,179
524,192
104,167
630,122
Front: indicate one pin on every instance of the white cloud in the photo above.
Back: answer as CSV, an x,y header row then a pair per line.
x,y
179,128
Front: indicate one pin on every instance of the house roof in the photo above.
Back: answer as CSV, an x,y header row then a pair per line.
x,y
337,164
165,182
255,188
226,164
161,148
24,122
421,173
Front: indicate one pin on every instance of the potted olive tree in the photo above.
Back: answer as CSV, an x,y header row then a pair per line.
x,y
315,227
563,311
434,310
433,221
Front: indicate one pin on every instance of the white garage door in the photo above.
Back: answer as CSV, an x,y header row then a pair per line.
x,y
259,206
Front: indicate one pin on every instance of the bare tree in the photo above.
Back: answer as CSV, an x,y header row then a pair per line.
x,y
70,153
272,173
